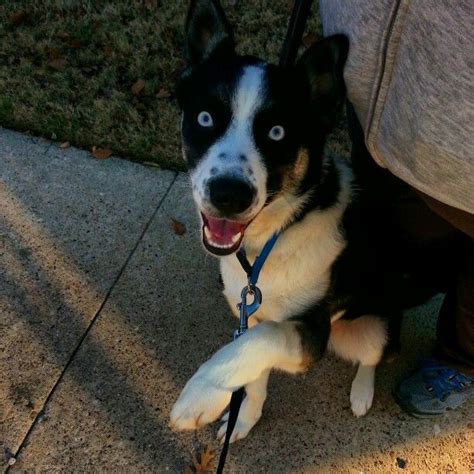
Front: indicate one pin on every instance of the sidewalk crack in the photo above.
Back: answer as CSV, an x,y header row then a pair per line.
x,y
93,320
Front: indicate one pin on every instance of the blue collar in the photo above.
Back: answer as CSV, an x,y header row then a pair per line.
x,y
253,271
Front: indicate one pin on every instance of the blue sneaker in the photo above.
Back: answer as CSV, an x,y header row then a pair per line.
x,y
433,389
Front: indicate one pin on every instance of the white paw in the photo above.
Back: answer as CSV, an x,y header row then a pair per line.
x,y
199,403
362,395
247,419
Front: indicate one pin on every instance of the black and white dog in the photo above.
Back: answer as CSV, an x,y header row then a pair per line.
x,y
253,136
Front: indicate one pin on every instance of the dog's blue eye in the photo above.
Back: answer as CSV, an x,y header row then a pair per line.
x,y
276,133
204,119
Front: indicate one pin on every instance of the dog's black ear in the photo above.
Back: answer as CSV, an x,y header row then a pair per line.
x,y
322,65
208,31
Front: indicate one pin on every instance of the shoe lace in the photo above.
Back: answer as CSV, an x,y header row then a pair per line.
x,y
441,381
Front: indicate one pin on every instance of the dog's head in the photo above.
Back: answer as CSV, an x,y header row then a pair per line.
x,y
251,130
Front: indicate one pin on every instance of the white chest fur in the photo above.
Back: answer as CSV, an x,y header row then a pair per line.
x,y
297,271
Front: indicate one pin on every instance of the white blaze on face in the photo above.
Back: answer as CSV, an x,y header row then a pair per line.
x,y
235,153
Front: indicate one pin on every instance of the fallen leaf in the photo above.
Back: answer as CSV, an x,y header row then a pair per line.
x,y
18,18
138,87
64,145
108,51
178,227
163,94
207,457
100,153
75,44
310,39
151,163
204,464
63,35
58,63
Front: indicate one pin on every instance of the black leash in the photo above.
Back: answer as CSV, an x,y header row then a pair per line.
x,y
234,408
295,31
289,51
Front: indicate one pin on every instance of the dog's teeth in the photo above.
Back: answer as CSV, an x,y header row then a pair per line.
x,y
236,237
207,232
219,246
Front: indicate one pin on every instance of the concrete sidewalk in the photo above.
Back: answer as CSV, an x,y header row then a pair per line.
x,y
105,312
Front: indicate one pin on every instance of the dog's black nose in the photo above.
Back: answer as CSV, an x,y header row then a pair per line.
x,y
230,195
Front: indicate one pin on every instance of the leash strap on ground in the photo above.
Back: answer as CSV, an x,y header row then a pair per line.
x,y
234,407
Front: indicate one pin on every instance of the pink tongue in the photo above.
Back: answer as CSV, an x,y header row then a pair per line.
x,y
223,230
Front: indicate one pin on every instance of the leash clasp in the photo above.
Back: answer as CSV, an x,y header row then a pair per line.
x,y
246,310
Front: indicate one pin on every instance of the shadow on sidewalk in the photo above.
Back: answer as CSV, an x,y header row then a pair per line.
x,y
164,317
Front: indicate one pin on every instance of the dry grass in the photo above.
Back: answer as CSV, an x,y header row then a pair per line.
x,y
67,68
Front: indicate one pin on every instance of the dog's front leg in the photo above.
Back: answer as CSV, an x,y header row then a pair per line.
x,y
269,345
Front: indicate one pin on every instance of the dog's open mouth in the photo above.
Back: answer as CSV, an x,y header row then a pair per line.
x,y
222,236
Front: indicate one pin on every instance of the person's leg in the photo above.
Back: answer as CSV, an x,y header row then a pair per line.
x,y
464,333
443,383
421,220
455,331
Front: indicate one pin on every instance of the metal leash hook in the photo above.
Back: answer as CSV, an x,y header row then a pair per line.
x,y
246,310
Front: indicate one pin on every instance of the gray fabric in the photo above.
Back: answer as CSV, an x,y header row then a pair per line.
x,y
410,77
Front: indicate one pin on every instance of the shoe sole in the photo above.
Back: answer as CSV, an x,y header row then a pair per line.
x,y
410,411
